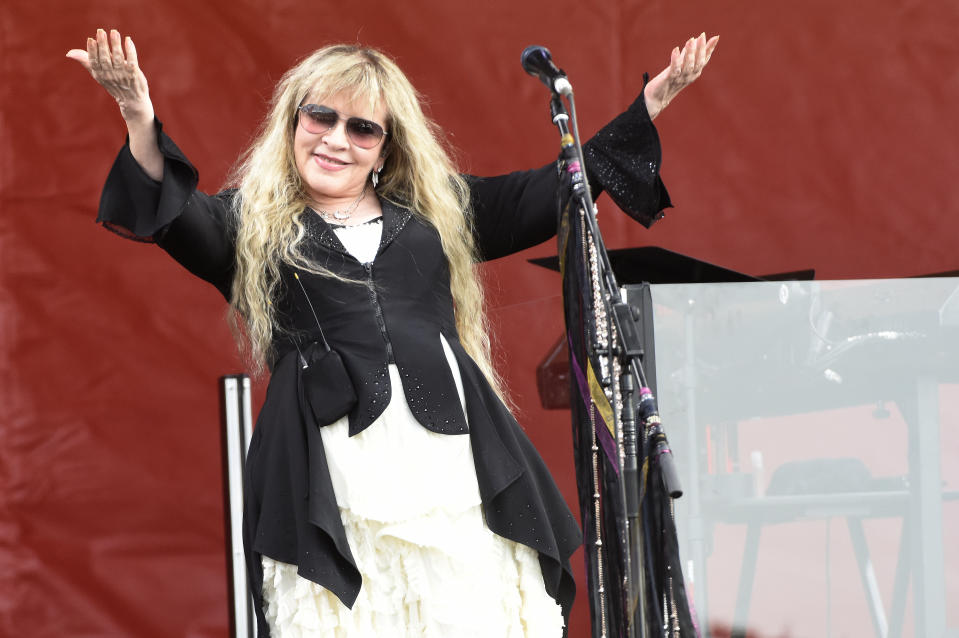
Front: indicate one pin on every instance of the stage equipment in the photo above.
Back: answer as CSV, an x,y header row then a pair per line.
x,y
869,368
625,473
237,421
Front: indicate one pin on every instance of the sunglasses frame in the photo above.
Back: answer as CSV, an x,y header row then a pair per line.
x,y
304,109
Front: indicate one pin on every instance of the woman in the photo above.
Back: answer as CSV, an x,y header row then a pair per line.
x,y
349,229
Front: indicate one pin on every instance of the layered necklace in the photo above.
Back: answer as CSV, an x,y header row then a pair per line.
x,y
341,215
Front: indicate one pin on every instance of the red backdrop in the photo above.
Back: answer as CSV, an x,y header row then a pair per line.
x,y
822,135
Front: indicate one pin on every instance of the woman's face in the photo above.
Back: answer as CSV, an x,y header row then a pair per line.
x,y
333,168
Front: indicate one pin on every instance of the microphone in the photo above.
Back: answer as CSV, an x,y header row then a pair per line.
x,y
537,61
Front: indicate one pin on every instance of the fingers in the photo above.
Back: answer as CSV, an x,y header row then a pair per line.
x,y
116,51
132,52
113,65
700,52
80,56
92,53
85,57
103,50
688,65
676,61
685,65
112,61
689,58
106,52
711,46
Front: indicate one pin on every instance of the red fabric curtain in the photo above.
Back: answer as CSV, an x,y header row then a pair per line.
x,y
822,135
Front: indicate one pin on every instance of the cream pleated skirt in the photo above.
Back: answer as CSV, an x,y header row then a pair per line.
x,y
431,568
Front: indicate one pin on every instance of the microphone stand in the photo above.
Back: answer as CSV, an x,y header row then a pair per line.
x,y
628,349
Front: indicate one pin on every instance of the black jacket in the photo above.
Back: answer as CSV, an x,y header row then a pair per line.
x,y
395,316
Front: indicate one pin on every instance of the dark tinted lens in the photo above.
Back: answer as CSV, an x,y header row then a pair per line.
x,y
319,119
316,118
364,133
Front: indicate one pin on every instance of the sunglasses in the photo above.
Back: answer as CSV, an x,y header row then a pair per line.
x,y
315,118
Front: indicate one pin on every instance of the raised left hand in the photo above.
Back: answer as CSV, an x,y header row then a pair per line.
x,y
115,67
684,67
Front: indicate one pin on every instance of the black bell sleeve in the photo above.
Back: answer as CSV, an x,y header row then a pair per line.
x,y
516,211
196,229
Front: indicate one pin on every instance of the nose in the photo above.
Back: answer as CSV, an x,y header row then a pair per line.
x,y
336,137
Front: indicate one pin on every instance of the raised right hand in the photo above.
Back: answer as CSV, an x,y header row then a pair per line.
x,y
119,73
684,67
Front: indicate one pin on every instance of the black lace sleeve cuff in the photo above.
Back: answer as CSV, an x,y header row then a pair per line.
x,y
138,207
624,159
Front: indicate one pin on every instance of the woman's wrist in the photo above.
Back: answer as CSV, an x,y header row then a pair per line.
x,y
144,146
139,116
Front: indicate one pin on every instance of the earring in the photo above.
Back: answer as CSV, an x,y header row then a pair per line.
x,y
375,176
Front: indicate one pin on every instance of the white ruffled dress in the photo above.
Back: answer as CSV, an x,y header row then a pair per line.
x,y
411,507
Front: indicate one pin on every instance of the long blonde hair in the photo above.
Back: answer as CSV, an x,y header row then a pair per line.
x,y
417,172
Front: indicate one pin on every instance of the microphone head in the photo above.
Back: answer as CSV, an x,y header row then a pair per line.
x,y
536,60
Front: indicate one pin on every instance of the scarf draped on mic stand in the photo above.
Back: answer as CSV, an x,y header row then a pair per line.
x,y
615,607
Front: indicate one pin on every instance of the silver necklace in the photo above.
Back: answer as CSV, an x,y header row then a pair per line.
x,y
340,215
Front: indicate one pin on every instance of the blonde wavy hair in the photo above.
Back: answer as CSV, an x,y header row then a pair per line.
x,y
418,172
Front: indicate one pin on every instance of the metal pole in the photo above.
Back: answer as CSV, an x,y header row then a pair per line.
x,y
237,430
